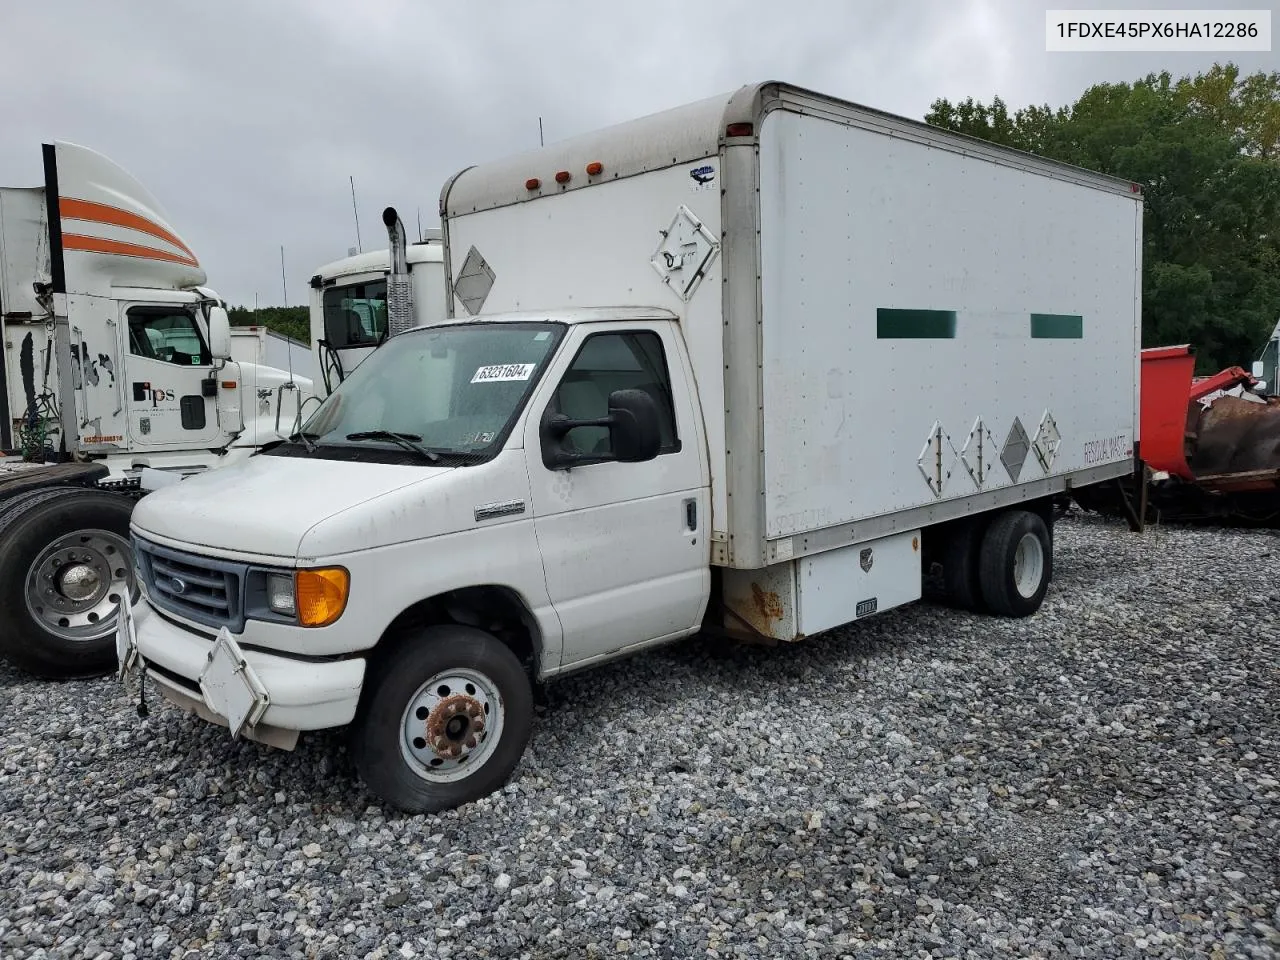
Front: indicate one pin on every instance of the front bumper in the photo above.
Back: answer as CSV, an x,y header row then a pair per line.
x,y
300,695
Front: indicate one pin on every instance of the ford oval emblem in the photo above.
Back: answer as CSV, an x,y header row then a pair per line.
x,y
178,585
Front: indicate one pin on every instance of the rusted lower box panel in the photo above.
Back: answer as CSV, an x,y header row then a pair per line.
x,y
802,597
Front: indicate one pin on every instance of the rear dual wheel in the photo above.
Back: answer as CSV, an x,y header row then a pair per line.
x,y
1015,564
1002,566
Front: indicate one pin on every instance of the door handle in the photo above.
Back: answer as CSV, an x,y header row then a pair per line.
x,y
691,514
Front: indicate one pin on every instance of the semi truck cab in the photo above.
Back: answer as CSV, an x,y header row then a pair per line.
x,y
115,374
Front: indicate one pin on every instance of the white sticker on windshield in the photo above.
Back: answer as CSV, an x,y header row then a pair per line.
x,y
504,372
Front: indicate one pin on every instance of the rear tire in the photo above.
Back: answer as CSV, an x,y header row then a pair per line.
x,y
960,573
1016,564
435,701
64,560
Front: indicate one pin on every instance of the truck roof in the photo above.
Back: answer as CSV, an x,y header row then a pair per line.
x,y
379,261
569,315
697,130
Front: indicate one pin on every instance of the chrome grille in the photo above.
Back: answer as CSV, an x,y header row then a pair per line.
x,y
198,588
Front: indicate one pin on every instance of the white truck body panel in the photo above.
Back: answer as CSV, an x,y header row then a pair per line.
x,y
968,251
829,215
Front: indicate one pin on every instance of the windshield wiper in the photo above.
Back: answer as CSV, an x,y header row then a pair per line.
x,y
409,441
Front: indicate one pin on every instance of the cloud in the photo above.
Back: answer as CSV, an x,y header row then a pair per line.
x,y
245,119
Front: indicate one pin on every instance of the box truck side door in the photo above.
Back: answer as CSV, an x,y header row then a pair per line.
x,y
624,545
167,362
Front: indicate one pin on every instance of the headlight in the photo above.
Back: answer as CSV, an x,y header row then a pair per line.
x,y
280,595
321,595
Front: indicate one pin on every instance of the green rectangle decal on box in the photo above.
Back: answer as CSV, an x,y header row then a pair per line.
x,y
1057,326
915,324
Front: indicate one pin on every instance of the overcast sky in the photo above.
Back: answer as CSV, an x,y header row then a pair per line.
x,y
245,117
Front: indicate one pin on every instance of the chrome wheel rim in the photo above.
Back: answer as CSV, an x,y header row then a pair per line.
x,y
73,588
451,725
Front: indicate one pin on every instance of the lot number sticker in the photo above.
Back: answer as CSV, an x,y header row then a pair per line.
x,y
504,373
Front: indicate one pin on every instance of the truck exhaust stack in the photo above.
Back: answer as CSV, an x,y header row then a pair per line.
x,y
399,287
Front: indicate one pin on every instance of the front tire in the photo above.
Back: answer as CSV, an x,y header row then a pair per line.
x,y
444,719
65,561
1016,564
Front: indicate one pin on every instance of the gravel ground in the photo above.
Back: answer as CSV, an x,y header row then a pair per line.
x,y
1098,781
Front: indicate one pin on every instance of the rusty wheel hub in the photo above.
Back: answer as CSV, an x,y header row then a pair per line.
x,y
454,725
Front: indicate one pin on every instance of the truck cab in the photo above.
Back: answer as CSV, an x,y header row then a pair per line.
x,y
116,373
471,436
349,304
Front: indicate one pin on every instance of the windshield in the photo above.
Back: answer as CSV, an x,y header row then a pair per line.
x,y
452,390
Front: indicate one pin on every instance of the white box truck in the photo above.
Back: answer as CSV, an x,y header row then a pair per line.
x,y
749,365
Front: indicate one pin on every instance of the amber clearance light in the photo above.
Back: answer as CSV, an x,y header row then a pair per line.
x,y
321,595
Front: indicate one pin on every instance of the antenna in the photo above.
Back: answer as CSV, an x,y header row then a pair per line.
x,y
284,287
541,143
355,213
419,224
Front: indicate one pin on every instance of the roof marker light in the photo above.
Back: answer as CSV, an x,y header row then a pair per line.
x,y
533,183
739,130
595,168
562,176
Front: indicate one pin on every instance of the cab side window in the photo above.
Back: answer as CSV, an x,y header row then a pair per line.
x,y
168,335
609,362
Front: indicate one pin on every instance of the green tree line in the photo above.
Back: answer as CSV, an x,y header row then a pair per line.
x,y
1206,151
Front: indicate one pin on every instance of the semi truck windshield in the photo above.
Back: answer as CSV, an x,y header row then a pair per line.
x,y
451,390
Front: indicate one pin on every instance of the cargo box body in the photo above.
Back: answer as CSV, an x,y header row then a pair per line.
x,y
890,325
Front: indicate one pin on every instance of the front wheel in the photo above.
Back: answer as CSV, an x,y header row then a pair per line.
x,y
444,719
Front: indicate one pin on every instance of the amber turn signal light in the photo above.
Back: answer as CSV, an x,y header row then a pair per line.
x,y
321,595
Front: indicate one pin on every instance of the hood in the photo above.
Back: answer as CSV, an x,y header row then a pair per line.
x,y
266,505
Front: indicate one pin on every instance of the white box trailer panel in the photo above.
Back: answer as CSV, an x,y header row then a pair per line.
x,y
882,308
935,325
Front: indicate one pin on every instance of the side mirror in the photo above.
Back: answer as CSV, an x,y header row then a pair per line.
x,y
635,433
219,333
1259,371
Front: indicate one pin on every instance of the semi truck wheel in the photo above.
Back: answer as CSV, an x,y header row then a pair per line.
x,y
445,717
1015,563
960,566
65,561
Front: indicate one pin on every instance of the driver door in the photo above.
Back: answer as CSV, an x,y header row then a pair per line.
x,y
625,546
167,364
